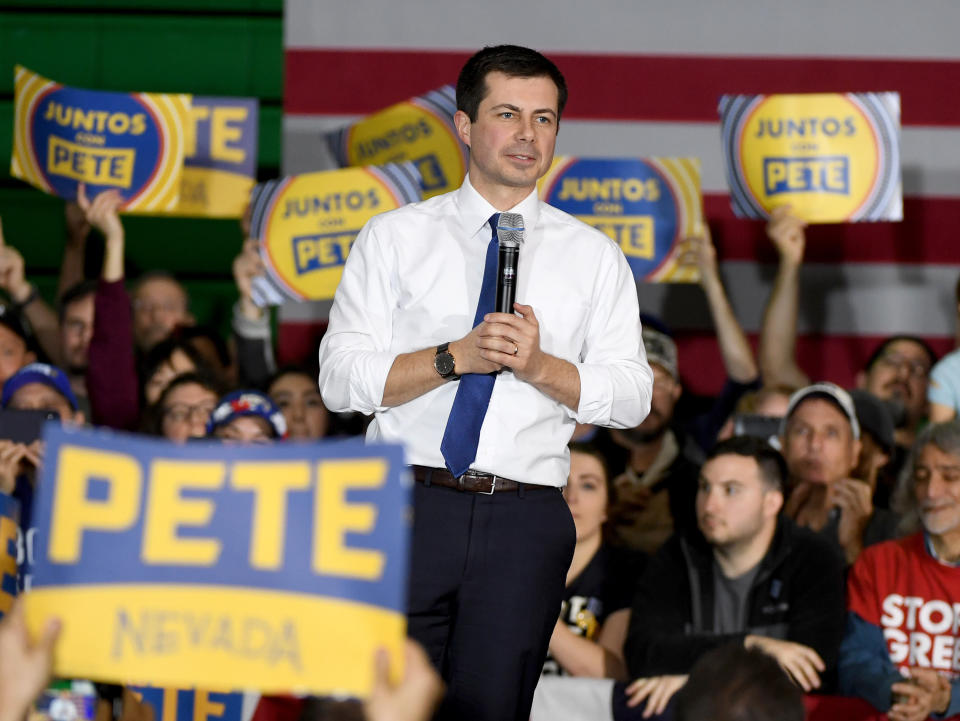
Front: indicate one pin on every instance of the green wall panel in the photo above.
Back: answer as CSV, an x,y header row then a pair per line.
x,y
6,136
187,6
210,47
158,53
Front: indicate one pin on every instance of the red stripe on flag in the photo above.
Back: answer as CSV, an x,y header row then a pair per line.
x,y
836,358
622,87
927,234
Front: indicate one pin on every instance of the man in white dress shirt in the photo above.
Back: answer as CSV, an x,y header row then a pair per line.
x,y
412,330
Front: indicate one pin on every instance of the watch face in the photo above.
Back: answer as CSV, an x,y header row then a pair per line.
x,y
444,364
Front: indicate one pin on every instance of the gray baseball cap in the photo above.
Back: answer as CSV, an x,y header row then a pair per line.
x,y
827,391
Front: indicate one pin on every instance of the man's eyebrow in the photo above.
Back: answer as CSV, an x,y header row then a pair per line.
x,y
514,108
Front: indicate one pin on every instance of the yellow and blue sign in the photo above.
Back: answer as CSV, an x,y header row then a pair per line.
x,y
219,566
9,523
173,704
647,206
306,225
832,157
419,131
220,157
133,142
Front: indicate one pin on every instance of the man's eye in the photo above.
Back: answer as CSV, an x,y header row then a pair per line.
x,y
506,115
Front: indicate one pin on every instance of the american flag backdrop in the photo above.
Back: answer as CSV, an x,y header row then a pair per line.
x,y
644,80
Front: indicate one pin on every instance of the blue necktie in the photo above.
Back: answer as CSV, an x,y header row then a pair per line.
x,y
460,438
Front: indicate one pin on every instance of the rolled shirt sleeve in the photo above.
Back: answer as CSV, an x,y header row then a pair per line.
x,y
616,383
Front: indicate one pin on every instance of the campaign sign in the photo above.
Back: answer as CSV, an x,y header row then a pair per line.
x,y
173,704
220,157
272,567
133,142
647,206
832,157
306,225
420,131
9,523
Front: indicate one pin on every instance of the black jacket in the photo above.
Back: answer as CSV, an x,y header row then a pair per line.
x,y
797,595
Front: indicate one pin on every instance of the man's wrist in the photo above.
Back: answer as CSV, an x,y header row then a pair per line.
x,y
454,348
24,295
445,362
249,309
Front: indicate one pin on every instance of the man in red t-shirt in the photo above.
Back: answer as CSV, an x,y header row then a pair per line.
x,y
901,651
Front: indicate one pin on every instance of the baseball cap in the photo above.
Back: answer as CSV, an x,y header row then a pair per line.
x,y
39,373
827,391
247,403
876,418
660,350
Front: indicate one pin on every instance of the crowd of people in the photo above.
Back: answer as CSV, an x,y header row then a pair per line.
x,y
740,525
793,537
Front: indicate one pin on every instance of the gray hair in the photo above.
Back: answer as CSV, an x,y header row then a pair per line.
x,y
946,437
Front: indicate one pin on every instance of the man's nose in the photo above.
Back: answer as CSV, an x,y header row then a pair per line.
x,y
526,129
710,500
935,486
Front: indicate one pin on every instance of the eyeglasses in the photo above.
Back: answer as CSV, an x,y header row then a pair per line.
x,y
183,412
917,369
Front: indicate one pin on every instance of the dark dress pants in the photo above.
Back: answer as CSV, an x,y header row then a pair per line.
x,y
486,583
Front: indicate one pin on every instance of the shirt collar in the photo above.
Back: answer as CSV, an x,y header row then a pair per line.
x,y
928,542
475,210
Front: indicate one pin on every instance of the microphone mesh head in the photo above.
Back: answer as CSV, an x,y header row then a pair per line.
x,y
510,229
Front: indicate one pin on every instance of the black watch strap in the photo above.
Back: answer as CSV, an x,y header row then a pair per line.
x,y
444,362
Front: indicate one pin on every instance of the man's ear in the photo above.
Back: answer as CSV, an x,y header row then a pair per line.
x,y
772,503
857,447
462,121
861,379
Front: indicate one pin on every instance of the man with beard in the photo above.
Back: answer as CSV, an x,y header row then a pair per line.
x,y
897,372
655,491
900,651
750,577
820,438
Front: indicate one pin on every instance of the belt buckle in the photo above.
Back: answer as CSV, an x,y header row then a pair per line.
x,y
475,474
493,487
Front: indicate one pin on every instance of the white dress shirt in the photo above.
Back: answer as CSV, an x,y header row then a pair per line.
x,y
412,281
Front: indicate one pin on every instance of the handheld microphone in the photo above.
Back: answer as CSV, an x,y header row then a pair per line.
x,y
510,237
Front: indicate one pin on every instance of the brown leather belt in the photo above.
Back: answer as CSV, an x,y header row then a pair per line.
x,y
472,481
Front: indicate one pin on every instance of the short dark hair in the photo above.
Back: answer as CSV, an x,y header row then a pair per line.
x,y
161,354
75,292
511,60
732,683
887,342
152,422
310,371
190,333
773,469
